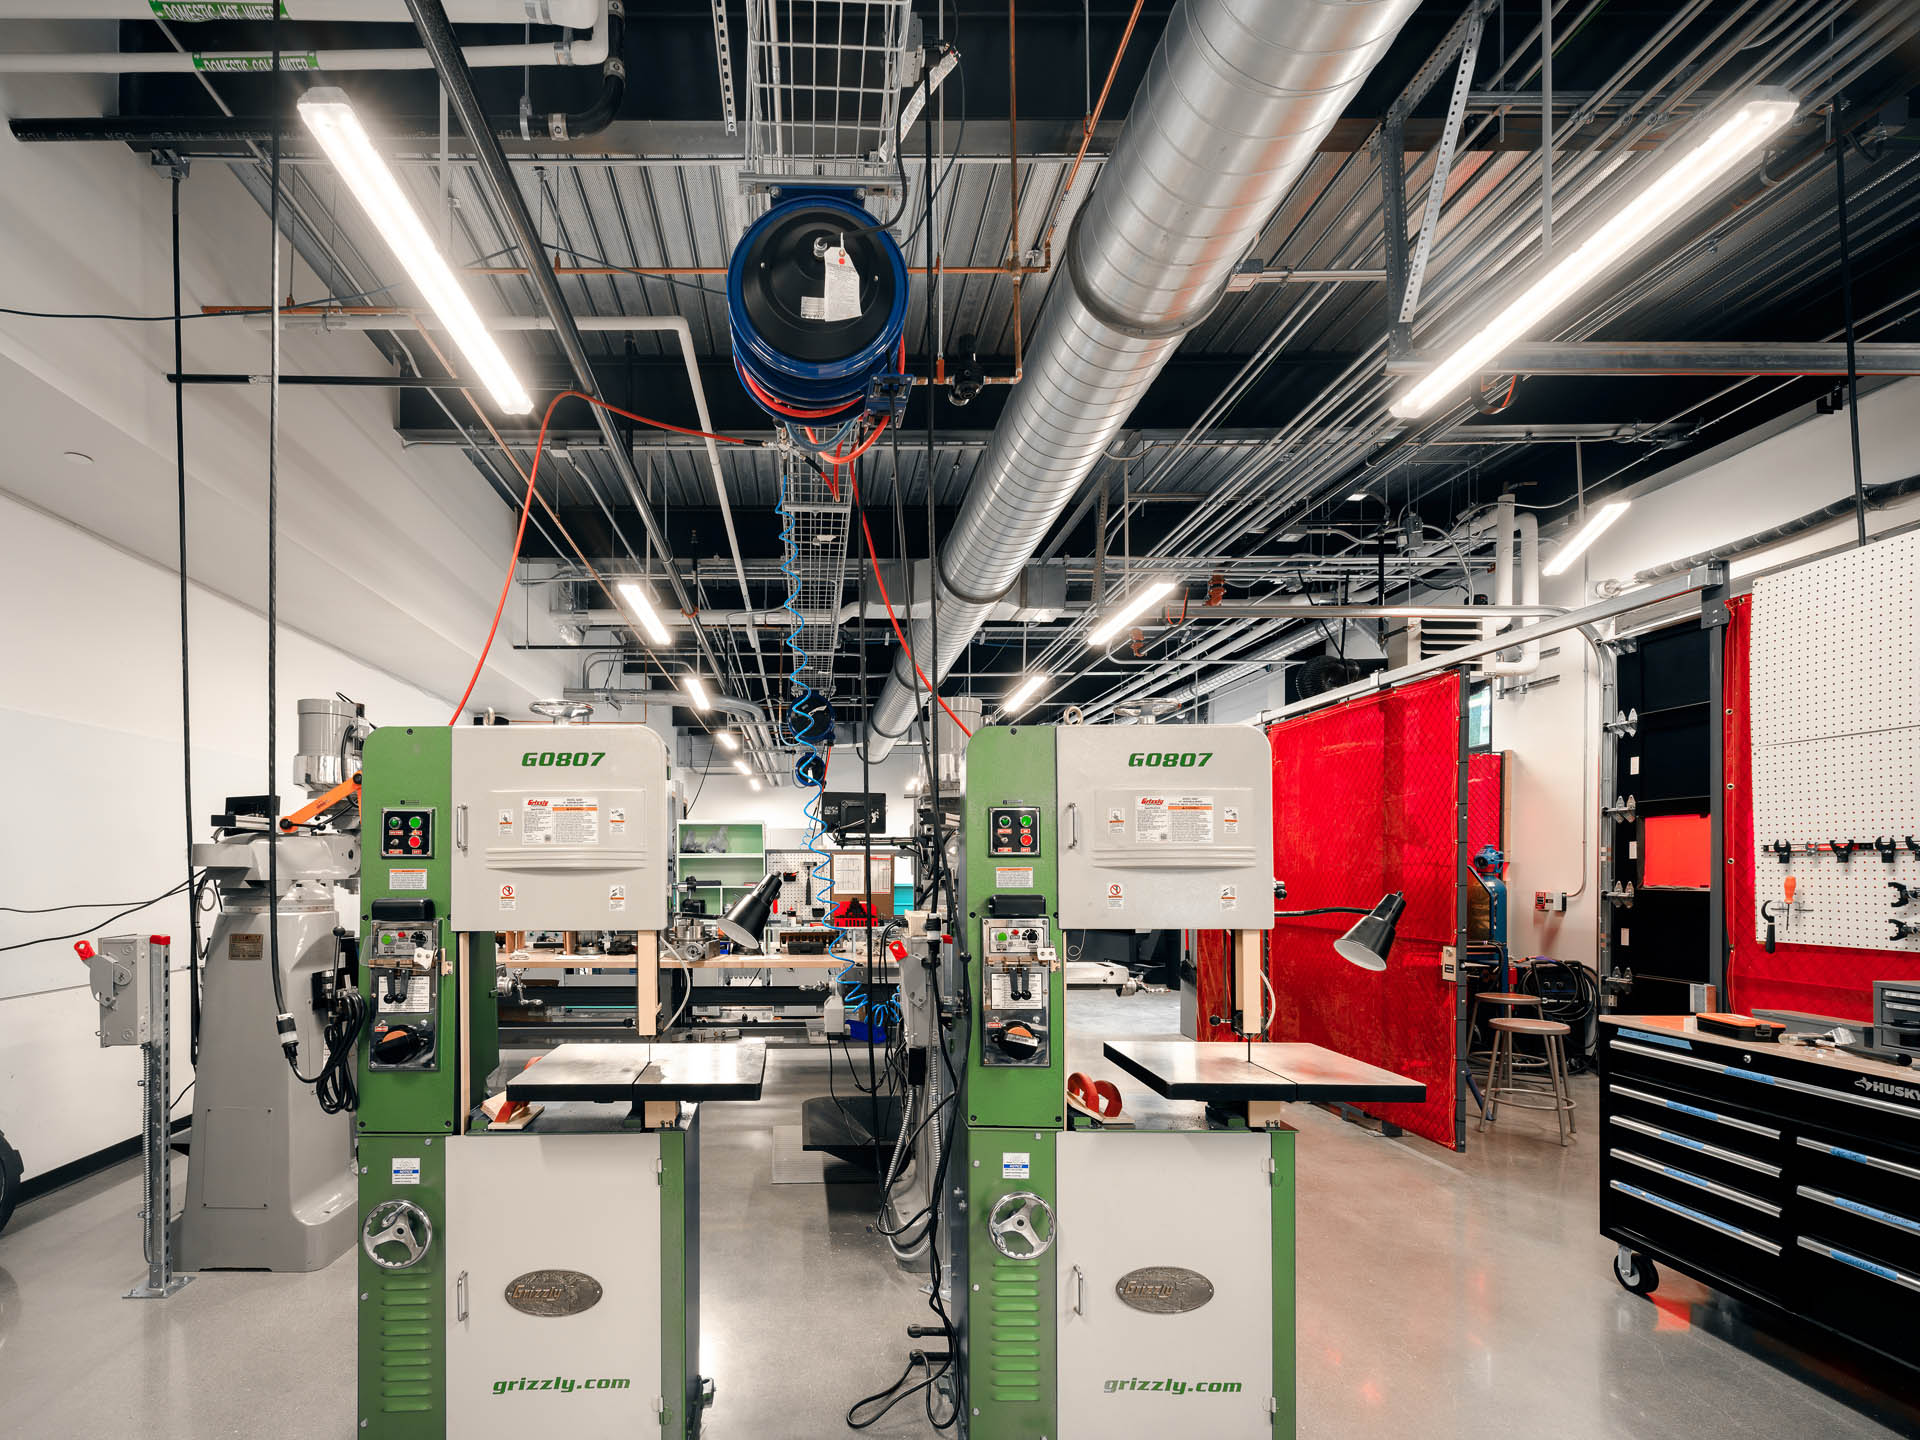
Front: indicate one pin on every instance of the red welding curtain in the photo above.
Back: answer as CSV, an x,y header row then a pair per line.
x,y
1816,978
1366,801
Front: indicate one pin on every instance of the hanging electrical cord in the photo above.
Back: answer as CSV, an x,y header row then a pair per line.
x,y
98,925
186,667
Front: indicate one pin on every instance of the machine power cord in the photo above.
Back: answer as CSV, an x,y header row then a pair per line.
x,y
100,925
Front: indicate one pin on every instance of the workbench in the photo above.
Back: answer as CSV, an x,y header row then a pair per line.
x,y
1785,1176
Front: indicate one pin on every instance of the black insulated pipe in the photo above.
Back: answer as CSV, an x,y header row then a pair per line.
x,y
187,132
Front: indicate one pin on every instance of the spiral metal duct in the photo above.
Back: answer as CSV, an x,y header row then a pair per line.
x,y
1236,100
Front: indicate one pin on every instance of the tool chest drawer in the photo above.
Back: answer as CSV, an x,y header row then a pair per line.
x,y
1787,1179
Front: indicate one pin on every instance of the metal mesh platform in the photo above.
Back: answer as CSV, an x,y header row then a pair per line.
x,y
823,81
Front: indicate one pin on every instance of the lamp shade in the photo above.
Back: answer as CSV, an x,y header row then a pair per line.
x,y
747,917
1368,942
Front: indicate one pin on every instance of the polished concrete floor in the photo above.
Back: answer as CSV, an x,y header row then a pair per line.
x,y
1440,1295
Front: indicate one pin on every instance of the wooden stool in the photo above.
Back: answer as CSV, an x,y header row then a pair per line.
x,y
1527,1095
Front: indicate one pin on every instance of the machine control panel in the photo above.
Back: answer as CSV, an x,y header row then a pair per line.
x,y
1013,830
1016,1022
407,834
404,961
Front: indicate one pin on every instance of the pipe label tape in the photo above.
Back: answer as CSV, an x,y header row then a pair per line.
x,y
224,64
214,9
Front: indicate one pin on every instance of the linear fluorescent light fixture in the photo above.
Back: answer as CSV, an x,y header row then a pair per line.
x,y
330,116
1595,527
1144,599
641,604
1023,693
1721,146
697,692
727,742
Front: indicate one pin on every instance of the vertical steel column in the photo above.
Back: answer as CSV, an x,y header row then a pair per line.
x,y
1714,617
1462,878
156,1106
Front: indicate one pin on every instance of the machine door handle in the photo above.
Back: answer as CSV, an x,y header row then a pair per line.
x,y
460,826
460,1297
1079,1289
1073,825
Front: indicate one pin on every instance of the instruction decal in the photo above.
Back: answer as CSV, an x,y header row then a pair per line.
x,y
1229,897
560,820
1230,821
1013,877
840,297
1174,819
617,821
616,897
406,1169
1016,1164
407,879
506,824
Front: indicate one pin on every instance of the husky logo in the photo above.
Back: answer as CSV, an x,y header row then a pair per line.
x,y
1885,1087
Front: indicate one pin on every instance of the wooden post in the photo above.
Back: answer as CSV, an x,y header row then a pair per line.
x,y
646,976
1249,995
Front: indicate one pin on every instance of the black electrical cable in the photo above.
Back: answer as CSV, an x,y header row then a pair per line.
x,y
186,667
98,925
335,1086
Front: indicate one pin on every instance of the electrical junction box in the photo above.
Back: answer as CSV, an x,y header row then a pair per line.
x,y
559,827
1164,827
119,974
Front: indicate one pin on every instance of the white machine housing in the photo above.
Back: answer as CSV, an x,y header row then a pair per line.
x,y
560,827
1164,827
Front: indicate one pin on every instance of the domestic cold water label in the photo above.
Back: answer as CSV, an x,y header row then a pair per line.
x,y
406,1169
1016,1164
407,879
1013,877
560,820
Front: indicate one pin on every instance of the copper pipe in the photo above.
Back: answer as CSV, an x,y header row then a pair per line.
x,y
1092,121
1013,164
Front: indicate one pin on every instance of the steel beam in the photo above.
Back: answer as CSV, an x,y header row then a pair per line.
x,y
1684,357
1671,588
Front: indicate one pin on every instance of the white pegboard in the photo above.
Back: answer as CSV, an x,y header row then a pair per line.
x,y
1836,645
1834,694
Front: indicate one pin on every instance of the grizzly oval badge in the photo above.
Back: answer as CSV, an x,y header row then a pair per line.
x,y
553,1292
1164,1289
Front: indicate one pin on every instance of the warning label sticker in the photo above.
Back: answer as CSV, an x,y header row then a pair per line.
x,y
509,898
1229,897
840,297
1174,820
1230,821
1013,877
560,820
1116,895
506,824
617,820
410,879
616,897
1016,1164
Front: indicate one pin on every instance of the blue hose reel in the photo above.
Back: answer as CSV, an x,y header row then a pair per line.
x,y
810,355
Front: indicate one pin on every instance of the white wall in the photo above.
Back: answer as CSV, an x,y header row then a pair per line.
x,y
90,719
390,564
723,793
1550,733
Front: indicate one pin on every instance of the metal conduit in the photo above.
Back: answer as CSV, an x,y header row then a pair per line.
x,y
1235,102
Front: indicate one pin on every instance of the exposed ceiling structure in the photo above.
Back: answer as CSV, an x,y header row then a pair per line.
x,y
1261,462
